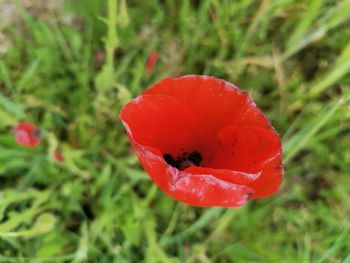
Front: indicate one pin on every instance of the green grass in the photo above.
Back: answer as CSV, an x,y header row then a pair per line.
x,y
98,205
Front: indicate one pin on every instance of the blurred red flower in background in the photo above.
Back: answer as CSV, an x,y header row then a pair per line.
x,y
27,134
151,62
204,142
58,156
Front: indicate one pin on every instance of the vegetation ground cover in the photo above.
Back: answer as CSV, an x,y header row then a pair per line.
x,y
70,66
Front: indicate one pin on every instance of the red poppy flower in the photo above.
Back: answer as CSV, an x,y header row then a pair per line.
x,y
58,156
151,62
204,142
27,134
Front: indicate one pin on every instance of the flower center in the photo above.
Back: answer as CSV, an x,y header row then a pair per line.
x,y
185,160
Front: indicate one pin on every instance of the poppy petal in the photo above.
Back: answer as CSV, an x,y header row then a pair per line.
x,y
215,102
192,189
271,178
245,148
236,177
253,150
207,190
159,121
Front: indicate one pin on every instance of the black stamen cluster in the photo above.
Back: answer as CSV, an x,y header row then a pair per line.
x,y
185,160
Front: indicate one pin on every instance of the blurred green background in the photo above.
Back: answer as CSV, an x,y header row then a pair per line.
x,y
69,66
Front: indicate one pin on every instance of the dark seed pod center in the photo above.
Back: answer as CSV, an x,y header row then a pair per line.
x,y
185,160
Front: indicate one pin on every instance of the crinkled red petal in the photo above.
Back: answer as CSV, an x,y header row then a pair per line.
x,y
230,176
250,149
216,103
270,179
160,122
245,148
191,189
